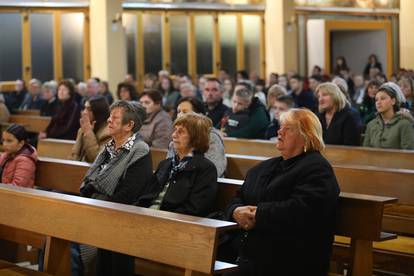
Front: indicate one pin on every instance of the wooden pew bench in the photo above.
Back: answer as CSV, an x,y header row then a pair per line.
x,y
55,148
7,268
50,177
33,112
356,179
33,123
73,213
139,232
359,179
337,155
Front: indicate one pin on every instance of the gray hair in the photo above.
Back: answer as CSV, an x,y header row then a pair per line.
x,y
188,86
133,111
244,93
51,86
35,81
341,83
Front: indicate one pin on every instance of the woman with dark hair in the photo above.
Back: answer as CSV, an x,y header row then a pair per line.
x,y
372,63
18,161
93,133
157,128
169,95
390,129
104,91
127,92
185,183
215,152
340,65
367,110
65,123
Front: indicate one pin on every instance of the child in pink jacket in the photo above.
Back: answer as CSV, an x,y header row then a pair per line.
x,y
18,161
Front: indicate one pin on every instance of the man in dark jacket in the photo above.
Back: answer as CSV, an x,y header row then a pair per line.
x,y
213,99
302,97
258,121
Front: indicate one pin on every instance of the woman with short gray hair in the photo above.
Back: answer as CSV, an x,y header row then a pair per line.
x,y
120,173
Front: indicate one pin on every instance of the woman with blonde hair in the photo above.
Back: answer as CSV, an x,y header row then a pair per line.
x,y
286,205
338,124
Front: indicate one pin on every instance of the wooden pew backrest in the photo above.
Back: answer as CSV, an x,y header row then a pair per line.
x,y
337,155
55,148
33,123
173,239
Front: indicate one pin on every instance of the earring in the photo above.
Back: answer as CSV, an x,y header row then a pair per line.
x,y
304,148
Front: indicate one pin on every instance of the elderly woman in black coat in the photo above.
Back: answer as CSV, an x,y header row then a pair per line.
x,y
286,205
185,183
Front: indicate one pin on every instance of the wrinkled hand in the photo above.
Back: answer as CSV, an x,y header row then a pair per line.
x,y
85,123
245,216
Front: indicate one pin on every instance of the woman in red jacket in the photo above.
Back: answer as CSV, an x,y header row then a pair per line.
x,y
18,161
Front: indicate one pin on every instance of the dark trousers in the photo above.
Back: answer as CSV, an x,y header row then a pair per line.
x,y
110,263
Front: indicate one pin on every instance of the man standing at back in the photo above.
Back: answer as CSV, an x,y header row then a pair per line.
x,y
213,100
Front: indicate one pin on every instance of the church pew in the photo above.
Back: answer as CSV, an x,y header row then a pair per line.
x,y
33,112
337,155
50,176
7,86
74,213
32,123
131,230
355,179
369,180
55,148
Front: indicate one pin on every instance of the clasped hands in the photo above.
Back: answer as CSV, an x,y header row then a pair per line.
x,y
245,216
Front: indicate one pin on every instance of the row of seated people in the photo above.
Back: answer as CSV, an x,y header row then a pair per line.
x,y
285,208
390,125
391,128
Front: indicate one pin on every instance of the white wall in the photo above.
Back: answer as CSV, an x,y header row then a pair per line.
x,y
315,43
406,34
356,46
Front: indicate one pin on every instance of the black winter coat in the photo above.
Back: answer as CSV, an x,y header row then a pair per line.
x,y
296,203
343,129
191,192
65,122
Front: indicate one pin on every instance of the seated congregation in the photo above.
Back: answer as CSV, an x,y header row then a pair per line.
x,y
286,209
349,106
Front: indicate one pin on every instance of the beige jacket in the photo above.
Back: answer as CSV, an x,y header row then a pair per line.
x,y
157,129
89,144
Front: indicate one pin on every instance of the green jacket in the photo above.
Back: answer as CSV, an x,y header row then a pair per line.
x,y
257,124
398,133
